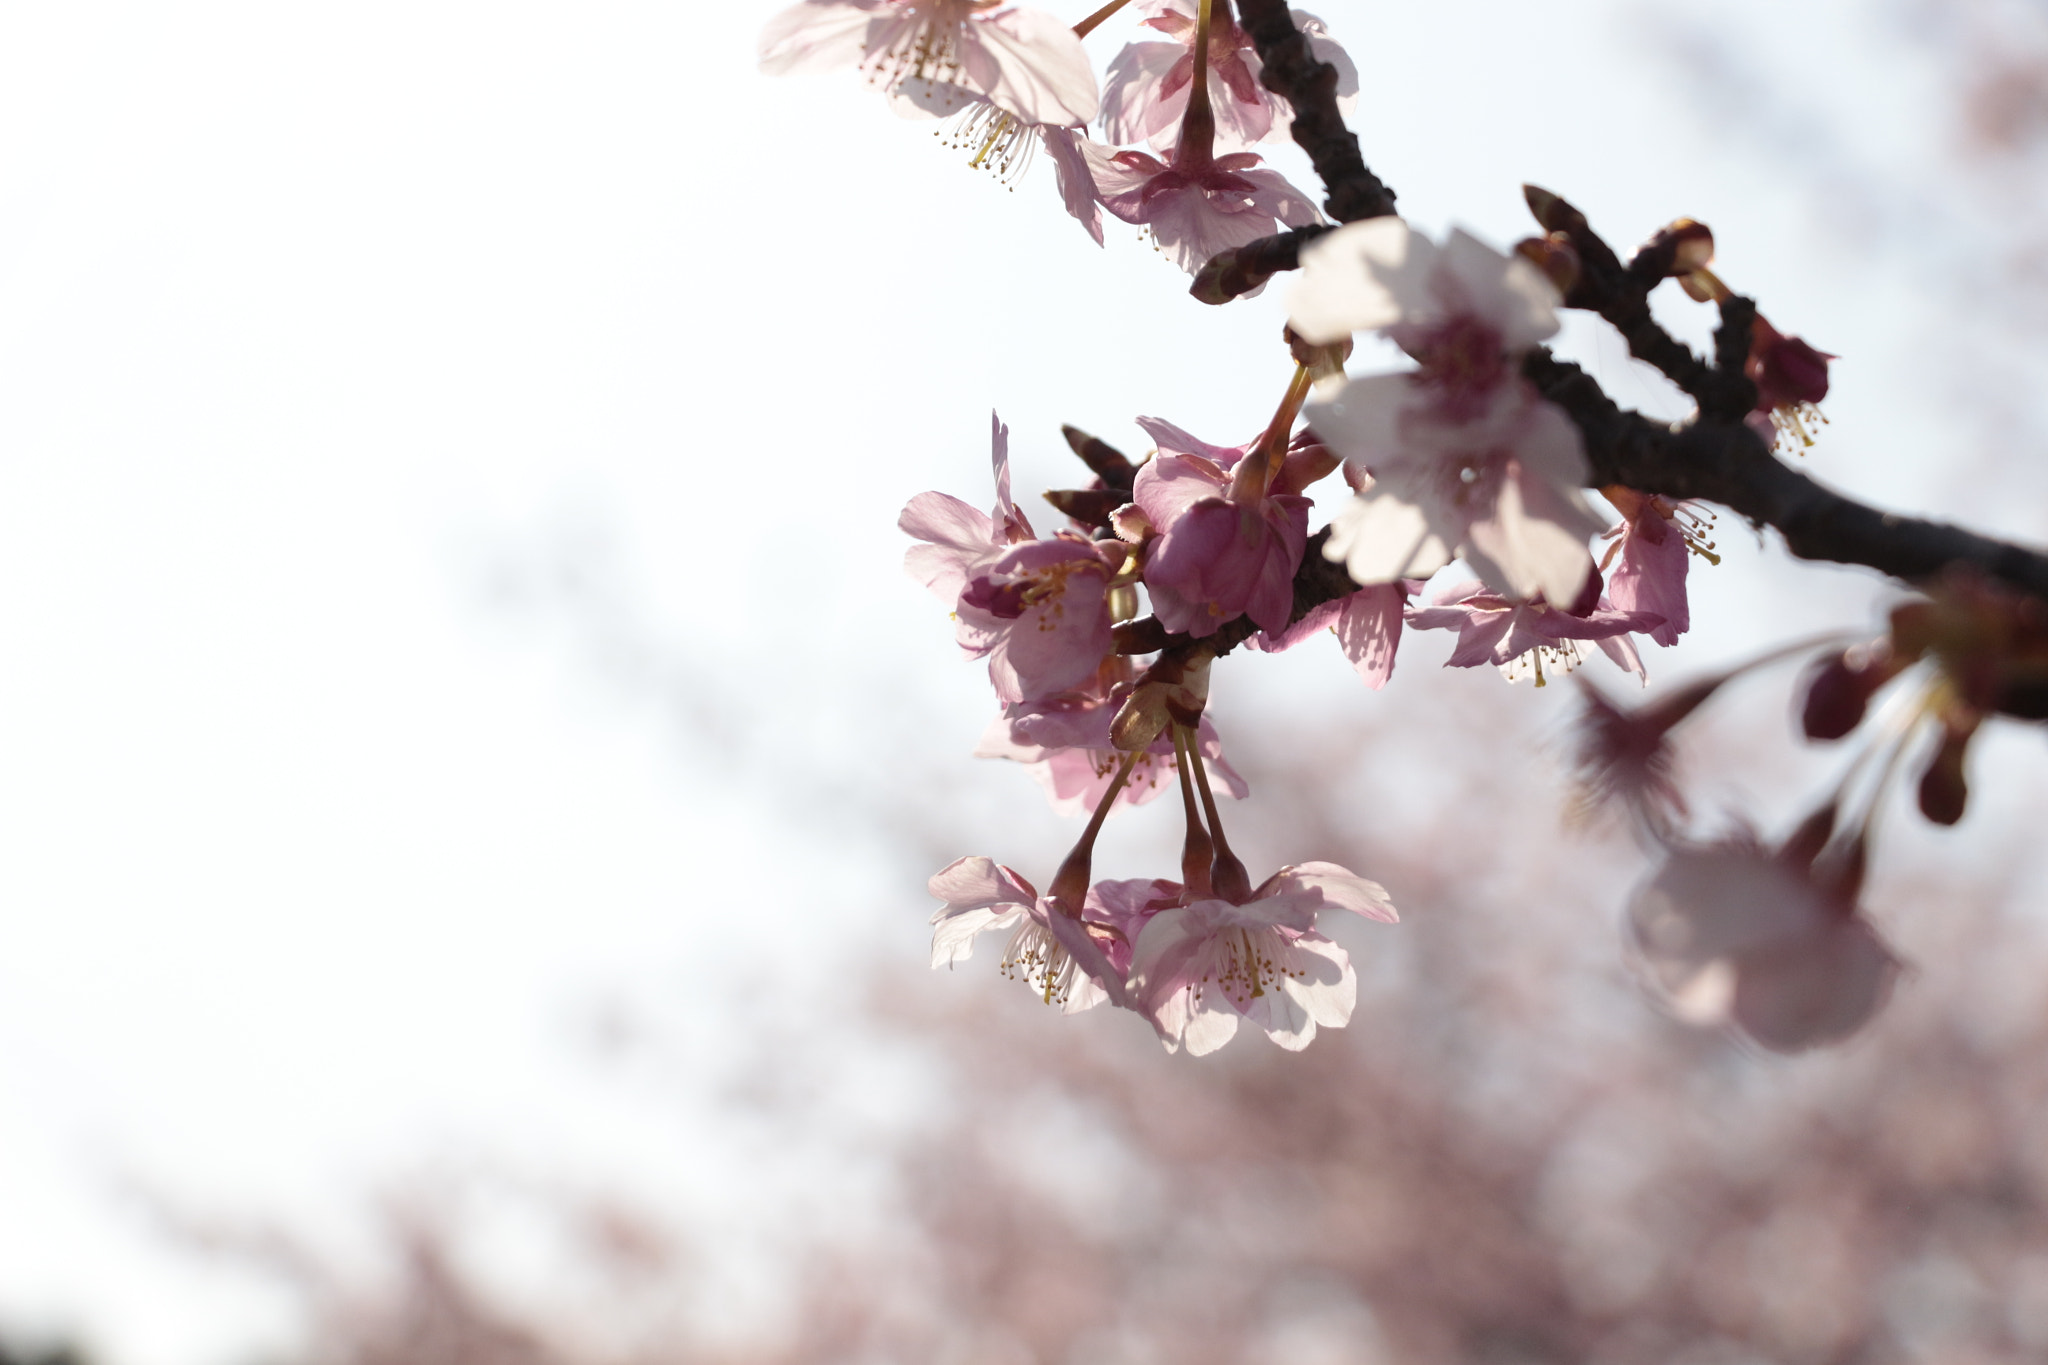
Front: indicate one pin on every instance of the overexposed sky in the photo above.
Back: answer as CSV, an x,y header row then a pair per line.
x,y
377,380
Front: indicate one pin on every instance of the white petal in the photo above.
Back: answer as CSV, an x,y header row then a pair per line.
x,y
1328,986
1362,276
1284,1018
1379,538
953,935
1362,421
1044,75
1343,889
1507,291
1208,1031
817,36
1520,554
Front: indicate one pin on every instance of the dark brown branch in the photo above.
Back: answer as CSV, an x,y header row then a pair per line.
x,y
1621,294
1235,273
1291,71
1724,461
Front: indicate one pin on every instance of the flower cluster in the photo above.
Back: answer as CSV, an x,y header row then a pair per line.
x,y
1466,464
1176,160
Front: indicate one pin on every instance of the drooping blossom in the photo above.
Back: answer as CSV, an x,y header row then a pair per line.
x,y
1145,93
1195,207
1006,146
1466,459
1036,609
1771,942
1367,624
1522,637
1654,543
935,57
1198,968
1064,742
1064,957
1222,546
1791,378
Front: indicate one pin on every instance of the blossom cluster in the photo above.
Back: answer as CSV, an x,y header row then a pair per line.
x,y
1466,503
1175,156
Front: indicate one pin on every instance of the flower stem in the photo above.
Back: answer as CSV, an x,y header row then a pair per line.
x,y
1087,26
1256,472
1070,883
1198,127
1227,874
1197,852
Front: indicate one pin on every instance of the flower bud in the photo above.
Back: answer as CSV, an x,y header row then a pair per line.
x,y
1943,789
1555,257
1839,690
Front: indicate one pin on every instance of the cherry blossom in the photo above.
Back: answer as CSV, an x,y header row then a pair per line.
x,y
1036,609
1654,542
1064,742
960,540
1197,968
1223,547
1466,460
1195,207
1062,956
935,57
1770,942
1520,637
1367,624
1040,614
1145,94
1500,490
1463,309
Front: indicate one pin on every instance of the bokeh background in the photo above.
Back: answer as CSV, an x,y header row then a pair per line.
x,y
469,759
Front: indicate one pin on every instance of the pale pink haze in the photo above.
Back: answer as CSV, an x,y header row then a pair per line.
x,y
1367,624
1064,743
1196,207
1466,460
1520,637
1213,558
1733,933
1065,960
1145,94
1036,609
937,56
1199,968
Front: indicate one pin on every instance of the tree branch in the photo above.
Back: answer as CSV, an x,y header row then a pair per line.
x,y
1291,71
1724,461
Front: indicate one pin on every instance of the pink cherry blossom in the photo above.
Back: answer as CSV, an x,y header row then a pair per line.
x,y
1367,624
1065,959
1064,742
1770,942
1501,490
1036,609
1223,548
1195,207
1791,378
1466,459
1520,637
937,56
1198,968
960,540
1654,542
1146,91
1040,614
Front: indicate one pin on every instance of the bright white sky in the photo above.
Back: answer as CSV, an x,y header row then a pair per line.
x,y
329,332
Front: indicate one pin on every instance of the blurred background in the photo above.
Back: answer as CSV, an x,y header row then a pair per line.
x,y
470,760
